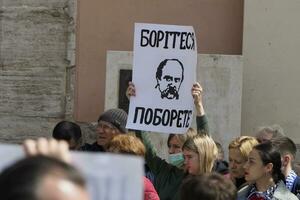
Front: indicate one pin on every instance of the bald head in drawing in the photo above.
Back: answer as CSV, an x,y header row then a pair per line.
x,y
169,76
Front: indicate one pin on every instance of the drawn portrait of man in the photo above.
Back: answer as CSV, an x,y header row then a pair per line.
x,y
169,76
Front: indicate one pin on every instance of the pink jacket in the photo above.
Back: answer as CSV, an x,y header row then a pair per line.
x,y
149,190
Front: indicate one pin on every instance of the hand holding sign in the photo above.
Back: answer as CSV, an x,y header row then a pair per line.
x,y
197,95
164,70
197,91
130,91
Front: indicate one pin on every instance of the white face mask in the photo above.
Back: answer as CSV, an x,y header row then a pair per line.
x,y
176,159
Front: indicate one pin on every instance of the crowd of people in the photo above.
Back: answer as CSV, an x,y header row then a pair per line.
x,y
258,168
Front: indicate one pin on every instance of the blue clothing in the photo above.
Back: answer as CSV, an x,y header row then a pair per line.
x,y
289,181
296,187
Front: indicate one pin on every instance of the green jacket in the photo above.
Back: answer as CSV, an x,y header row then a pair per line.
x,y
168,178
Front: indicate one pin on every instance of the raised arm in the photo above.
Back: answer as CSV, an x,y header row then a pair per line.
x,y
201,119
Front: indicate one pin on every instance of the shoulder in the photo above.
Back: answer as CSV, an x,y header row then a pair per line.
x,y
296,187
243,192
282,193
91,147
149,190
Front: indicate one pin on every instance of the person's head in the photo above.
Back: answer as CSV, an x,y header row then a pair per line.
x,y
220,151
169,76
42,178
175,143
126,144
239,150
287,149
210,186
264,163
68,131
200,153
110,123
266,133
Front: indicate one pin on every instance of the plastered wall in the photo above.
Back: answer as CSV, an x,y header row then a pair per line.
x,y
271,78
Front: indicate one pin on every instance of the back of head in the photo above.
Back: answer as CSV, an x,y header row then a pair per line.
x,y
269,154
206,149
67,131
243,143
117,117
285,145
209,187
266,133
126,144
22,180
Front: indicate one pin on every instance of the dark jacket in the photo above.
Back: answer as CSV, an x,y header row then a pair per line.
x,y
168,178
92,147
296,187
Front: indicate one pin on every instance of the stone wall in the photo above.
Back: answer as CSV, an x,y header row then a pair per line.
x,y
37,66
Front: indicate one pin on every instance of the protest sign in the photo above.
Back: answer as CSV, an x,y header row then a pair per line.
x,y
108,176
164,70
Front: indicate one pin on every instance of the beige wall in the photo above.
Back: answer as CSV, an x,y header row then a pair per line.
x,y
271,78
108,25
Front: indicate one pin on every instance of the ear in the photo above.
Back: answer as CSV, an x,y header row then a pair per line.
x,y
269,168
286,160
157,82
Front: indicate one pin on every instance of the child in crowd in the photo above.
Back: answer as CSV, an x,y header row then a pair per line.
x,y
287,149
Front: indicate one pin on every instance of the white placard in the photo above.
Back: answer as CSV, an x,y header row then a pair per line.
x,y
164,70
108,176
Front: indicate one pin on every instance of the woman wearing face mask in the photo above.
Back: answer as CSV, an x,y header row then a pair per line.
x,y
239,150
263,171
200,153
176,141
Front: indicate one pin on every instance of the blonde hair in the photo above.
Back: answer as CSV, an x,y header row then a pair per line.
x,y
127,144
206,149
245,144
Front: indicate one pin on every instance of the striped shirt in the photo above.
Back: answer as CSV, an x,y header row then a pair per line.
x,y
289,181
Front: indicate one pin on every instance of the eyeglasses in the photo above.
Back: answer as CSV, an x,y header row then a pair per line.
x,y
105,127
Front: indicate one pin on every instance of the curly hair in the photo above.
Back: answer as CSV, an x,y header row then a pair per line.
x,y
126,144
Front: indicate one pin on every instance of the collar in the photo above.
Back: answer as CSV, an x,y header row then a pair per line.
x,y
266,195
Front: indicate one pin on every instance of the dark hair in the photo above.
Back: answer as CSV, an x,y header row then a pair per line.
x,y
211,186
66,130
269,154
285,145
163,63
21,180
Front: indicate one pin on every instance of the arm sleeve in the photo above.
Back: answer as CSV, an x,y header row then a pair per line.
x,y
202,125
154,162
